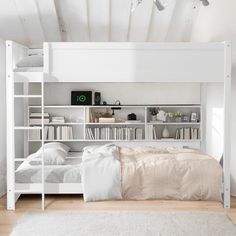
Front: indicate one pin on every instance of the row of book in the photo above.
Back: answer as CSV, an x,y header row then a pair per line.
x,y
36,118
115,133
187,133
52,133
181,133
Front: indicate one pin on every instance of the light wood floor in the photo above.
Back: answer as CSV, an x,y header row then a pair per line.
x,y
75,202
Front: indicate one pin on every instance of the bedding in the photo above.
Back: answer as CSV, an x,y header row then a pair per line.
x,y
69,172
31,61
54,154
29,69
100,173
152,173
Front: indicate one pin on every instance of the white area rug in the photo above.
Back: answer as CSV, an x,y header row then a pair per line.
x,y
135,223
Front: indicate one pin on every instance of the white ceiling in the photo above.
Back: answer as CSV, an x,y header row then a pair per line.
x,y
32,22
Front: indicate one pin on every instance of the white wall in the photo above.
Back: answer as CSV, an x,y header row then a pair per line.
x,y
127,93
217,22
2,119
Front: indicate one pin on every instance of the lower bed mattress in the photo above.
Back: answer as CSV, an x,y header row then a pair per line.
x,y
69,172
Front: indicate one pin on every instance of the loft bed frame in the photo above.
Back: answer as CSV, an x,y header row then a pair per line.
x,y
111,62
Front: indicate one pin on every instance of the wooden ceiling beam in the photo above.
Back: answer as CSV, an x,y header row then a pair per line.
x,y
49,20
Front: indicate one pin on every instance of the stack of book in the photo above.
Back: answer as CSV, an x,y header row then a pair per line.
x,y
36,118
58,119
64,133
187,133
115,133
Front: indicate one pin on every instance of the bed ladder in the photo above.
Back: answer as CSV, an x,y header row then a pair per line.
x,y
12,129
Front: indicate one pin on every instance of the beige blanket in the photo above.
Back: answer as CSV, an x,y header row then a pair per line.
x,y
180,174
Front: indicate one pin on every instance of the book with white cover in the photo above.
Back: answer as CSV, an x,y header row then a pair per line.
x,y
186,133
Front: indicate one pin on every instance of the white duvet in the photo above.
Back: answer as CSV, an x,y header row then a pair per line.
x,y
101,173
109,173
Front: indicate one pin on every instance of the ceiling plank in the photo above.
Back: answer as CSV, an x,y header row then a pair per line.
x,y
74,15
11,27
49,20
29,14
140,21
181,20
160,22
99,20
120,14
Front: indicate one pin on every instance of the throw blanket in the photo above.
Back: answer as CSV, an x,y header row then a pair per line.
x,y
101,173
109,172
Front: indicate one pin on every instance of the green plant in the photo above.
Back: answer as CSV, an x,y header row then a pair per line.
x,y
178,114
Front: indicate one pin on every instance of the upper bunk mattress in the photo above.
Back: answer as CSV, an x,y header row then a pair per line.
x,y
29,69
69,172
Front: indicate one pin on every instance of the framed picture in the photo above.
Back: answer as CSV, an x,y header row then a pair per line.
x,y
193,117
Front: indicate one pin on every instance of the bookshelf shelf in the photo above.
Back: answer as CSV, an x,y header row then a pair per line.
x,y
65,124
116,123
174,123
118,140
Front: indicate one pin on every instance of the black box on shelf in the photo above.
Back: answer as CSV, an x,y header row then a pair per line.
x,y
81,98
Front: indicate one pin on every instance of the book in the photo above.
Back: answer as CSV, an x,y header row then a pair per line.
x,y
38,114
58,119
186,133
33,121
181,133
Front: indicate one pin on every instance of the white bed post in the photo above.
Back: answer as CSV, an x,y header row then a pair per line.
x,y
10,129
227,125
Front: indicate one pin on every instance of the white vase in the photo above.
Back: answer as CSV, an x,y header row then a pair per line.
x,y
165,133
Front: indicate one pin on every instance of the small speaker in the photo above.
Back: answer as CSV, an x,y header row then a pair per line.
x,y
81,98
97,98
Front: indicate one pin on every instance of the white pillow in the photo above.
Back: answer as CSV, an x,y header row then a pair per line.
x,y
56,145
52,156
31,61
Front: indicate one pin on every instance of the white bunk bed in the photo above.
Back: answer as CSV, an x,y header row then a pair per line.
x,y
110,62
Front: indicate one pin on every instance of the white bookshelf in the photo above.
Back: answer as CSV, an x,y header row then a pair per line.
x,y
83,122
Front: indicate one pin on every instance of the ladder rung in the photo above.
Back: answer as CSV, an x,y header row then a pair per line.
x,y
28,191
27,96
19,159
27,128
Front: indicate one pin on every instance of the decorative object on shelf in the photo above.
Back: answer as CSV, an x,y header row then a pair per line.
x,y
106,120
165,133
132,116
186,118
117,103
161,116
170,117
154,111
104,103
97,98
193,117
178,116
81,98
